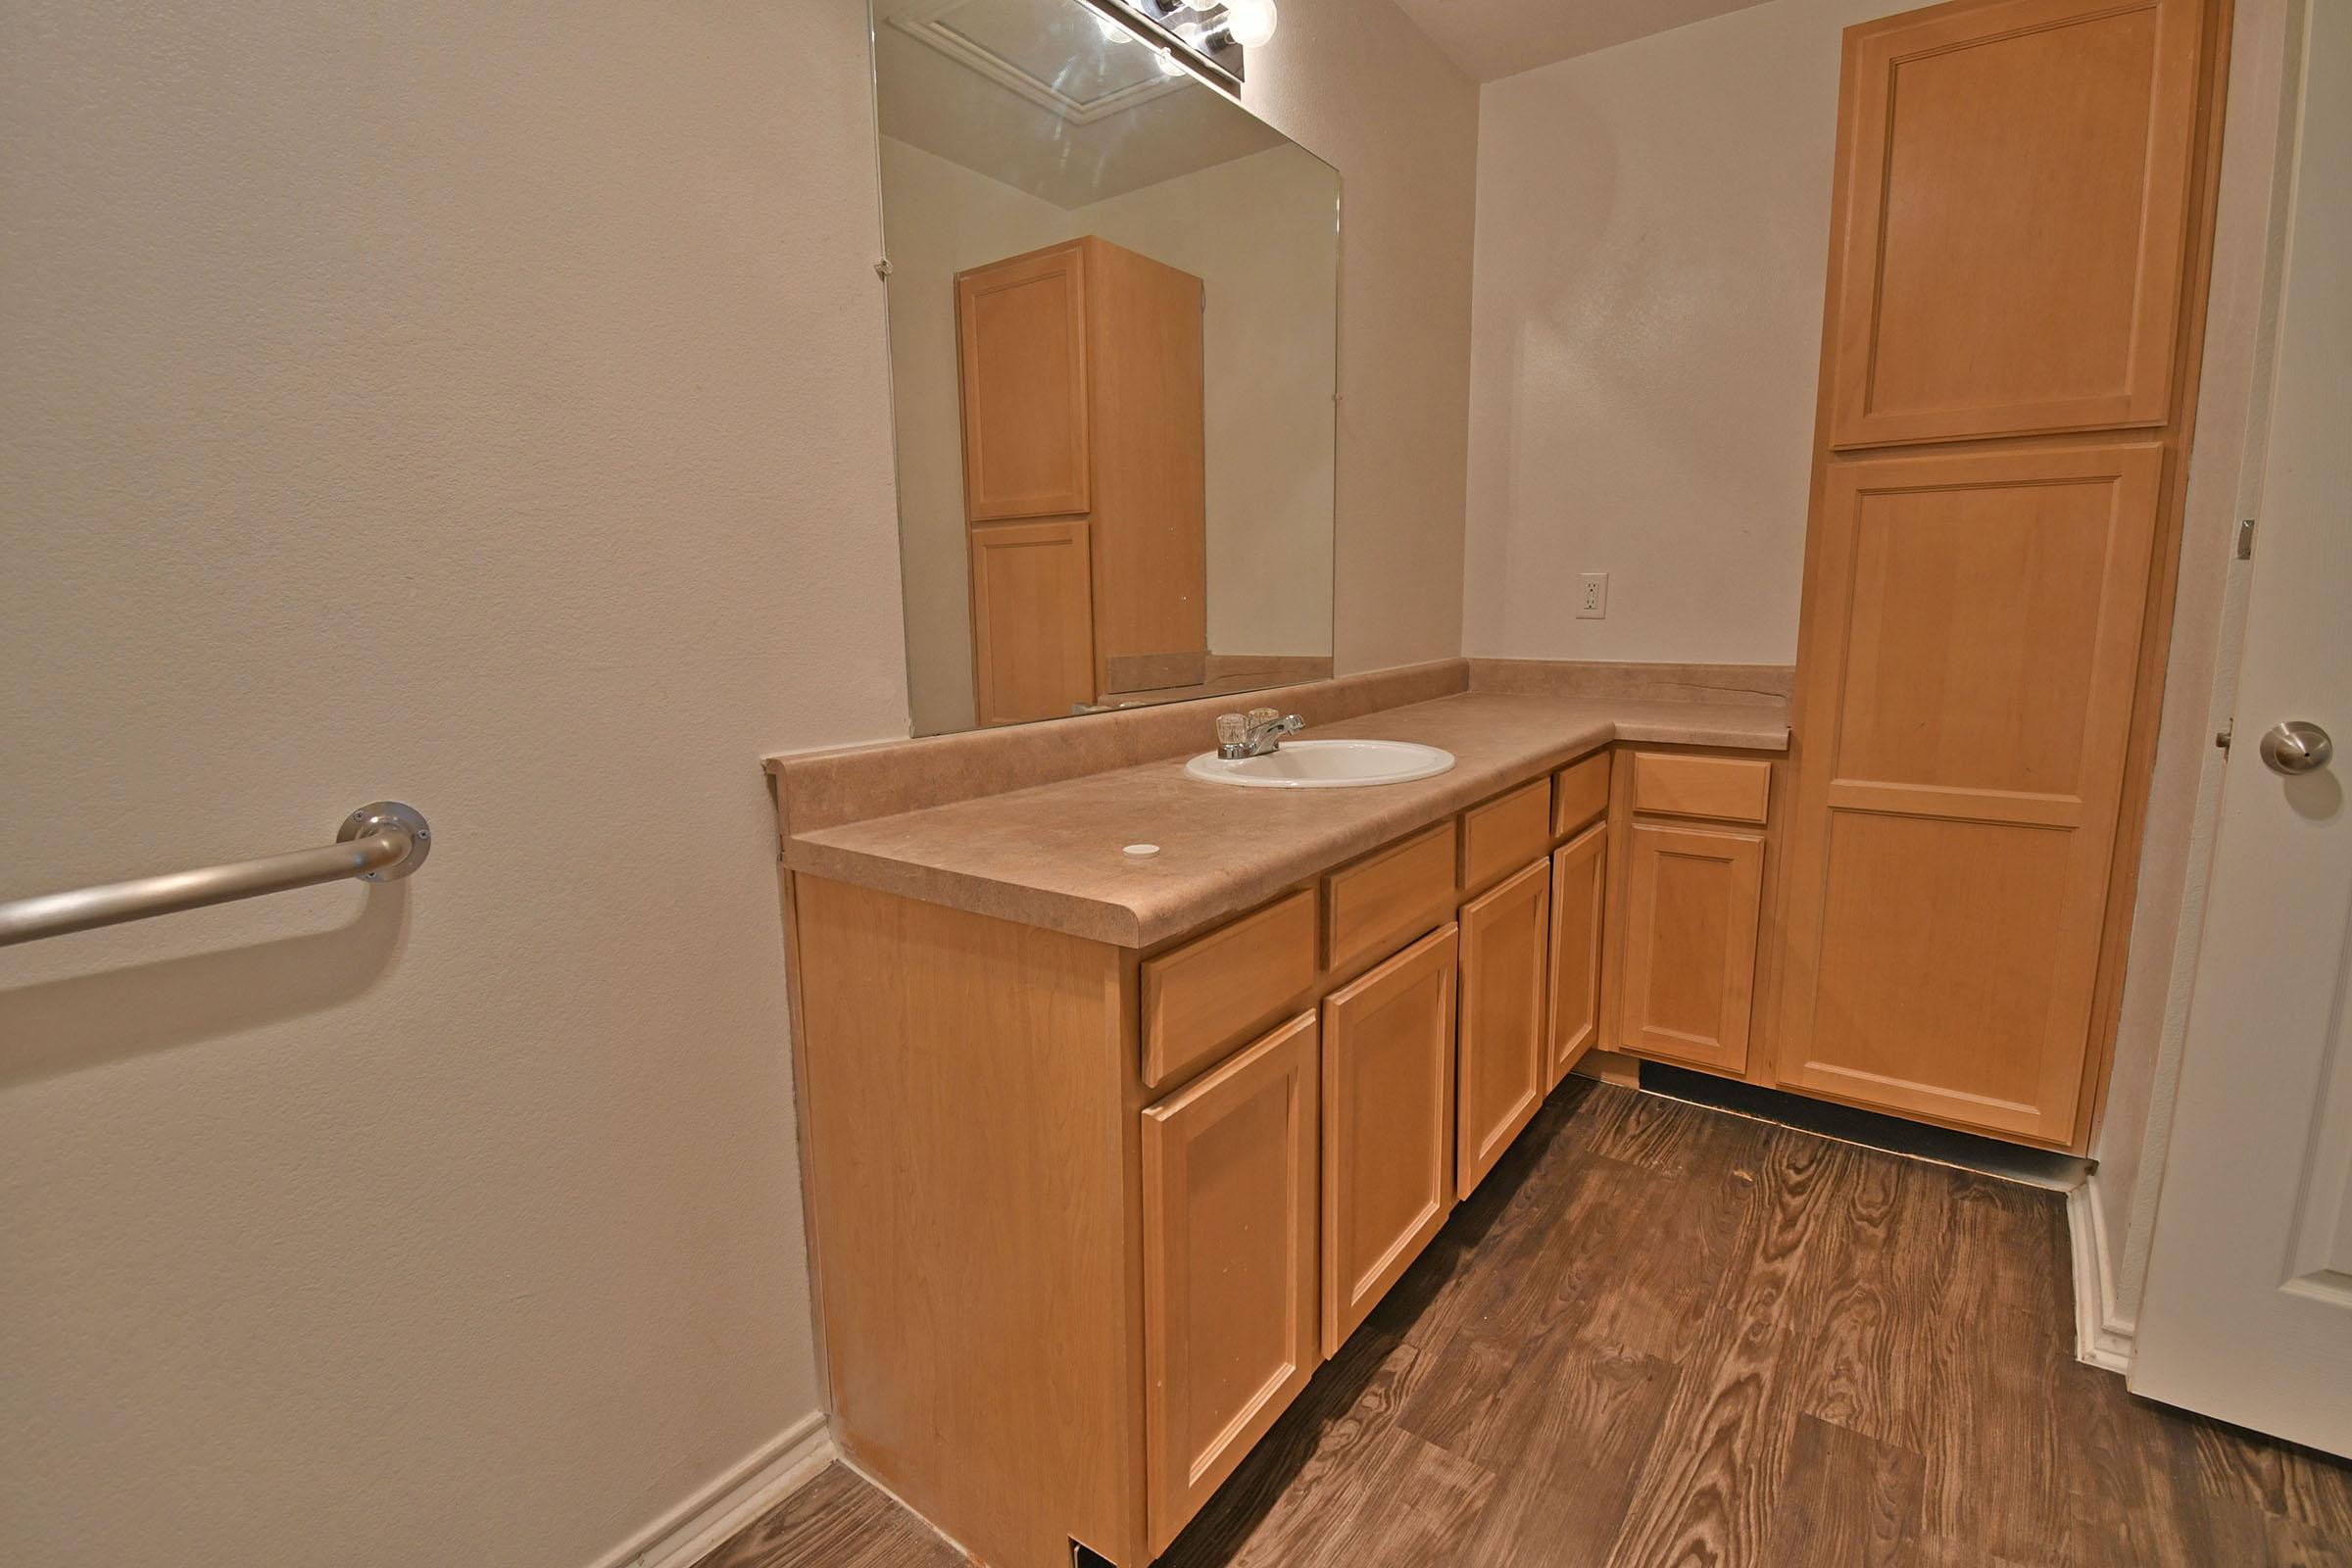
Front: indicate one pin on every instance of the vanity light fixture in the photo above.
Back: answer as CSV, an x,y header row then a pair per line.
x,y
1204,37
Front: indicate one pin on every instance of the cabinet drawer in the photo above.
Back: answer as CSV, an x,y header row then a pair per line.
x,y
1506,833
1731,789
1580,791
1398,893
1218,990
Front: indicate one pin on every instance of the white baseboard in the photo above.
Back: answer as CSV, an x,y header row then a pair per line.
x,y
2103,1336
770,1473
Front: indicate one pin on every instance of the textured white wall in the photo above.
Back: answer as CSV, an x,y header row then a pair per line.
x,y
1356,84
1258,232
942,217
484,405
1653,227
481,405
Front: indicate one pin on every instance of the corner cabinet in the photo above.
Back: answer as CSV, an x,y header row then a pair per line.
x,y
1085,1219
1690,905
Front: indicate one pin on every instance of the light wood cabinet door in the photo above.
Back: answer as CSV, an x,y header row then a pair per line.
x,y
1506,938
1033,649
1150,474
1691,907
1578,886
2013,201
1388,1126
1020,334
1230,1321
1972,639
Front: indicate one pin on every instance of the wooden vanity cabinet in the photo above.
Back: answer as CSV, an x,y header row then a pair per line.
x,y
1085,1219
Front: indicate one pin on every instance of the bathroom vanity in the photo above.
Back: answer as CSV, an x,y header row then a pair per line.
x,y
1107,1152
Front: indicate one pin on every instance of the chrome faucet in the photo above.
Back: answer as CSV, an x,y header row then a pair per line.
x,y
1254,734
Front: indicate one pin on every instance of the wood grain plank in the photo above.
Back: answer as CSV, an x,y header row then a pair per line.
x,y
1865,1360
1851,1501
1708,1494
839,1520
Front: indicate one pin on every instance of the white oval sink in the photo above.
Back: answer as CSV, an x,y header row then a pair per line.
x,y
1325,765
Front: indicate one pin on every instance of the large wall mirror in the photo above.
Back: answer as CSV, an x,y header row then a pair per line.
x,y
1112,337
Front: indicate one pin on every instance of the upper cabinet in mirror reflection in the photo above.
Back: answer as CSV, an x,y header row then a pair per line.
x,y
1112,334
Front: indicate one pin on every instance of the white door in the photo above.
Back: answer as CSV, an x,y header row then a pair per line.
x,y
2248,1311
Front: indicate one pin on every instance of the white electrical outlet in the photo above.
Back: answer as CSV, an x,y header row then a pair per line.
x,y
1593,596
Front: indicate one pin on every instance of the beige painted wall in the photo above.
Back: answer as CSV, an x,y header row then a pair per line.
x,y
484,405
1258,232
1653,227
942,217
481,405
1356,83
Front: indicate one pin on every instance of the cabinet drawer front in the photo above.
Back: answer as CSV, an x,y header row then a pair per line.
x,y
1733,789
1507,940
1229,1266
1218,990
1398,893
1506,833
1388,1127
1580,791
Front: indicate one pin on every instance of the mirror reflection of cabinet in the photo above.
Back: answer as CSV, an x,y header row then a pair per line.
x,y
1081,376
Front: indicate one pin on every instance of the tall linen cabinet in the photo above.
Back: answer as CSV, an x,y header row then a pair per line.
x,y
2018,246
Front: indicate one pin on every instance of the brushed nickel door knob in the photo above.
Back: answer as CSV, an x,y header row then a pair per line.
x,y
2296,746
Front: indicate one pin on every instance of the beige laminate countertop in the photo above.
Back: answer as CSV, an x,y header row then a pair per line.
x,y
1054,855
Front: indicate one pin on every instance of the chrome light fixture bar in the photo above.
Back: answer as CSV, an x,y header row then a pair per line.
x,y
1208,35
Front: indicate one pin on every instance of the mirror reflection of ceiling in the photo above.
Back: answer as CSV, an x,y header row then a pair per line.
x,y
1032,94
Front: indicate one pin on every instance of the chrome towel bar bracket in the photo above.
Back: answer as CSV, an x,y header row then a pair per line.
x,y
382,841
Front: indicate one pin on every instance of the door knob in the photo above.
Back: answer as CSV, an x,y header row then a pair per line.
x,y
2296,746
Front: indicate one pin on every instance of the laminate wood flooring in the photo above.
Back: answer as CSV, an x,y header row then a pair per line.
x,y
1664,1337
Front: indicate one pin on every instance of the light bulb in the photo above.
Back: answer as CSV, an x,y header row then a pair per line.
x,y
1251,21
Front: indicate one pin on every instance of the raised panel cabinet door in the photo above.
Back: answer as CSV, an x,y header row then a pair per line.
x,y
1032,640
1021,340
1388,1126
1150,508
1577,889
2013,199
1230,1322
1507,940
1692,901
1972,636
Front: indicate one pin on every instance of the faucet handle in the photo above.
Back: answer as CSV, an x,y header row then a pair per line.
x,y
1263,716
1231,728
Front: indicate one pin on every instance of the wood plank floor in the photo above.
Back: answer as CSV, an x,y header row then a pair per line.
x,y
1664,1337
